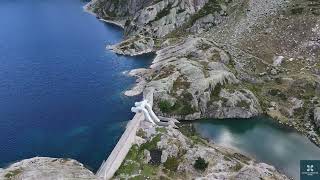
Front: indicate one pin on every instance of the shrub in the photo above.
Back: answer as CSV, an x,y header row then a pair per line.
x,y
237,167
216,91
165,106
200,164
171,164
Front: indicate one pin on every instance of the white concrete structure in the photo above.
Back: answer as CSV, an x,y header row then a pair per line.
x,y
143,111
146,108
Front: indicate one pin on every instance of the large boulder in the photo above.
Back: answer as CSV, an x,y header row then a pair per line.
x,y
46,168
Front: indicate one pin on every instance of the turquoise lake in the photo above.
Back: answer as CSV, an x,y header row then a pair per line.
x,y
263,139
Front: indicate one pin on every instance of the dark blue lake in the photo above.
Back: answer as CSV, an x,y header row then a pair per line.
x,y
60,89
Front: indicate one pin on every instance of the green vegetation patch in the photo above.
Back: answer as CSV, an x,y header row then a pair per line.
x,y
148,170
133,164
189,131
161,129
182,105
180,83
164,72
298,10
171,164
13,173
243,104
237,167
165,106
152,144
141,133
129,168
216,91
209,8
164,12
200,164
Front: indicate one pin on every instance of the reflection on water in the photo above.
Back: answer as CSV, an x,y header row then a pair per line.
x,y
262,139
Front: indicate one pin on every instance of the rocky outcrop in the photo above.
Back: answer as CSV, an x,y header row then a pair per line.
x,y
163,17
193,79
116,9
168,153
134,46
46,168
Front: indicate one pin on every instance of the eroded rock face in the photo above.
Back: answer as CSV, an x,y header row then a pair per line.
x,y
46,168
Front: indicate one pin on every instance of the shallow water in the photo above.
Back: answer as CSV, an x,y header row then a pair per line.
x,y
262,139
60,89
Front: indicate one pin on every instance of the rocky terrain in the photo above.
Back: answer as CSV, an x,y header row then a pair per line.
x,y
46,168
168,153
226,59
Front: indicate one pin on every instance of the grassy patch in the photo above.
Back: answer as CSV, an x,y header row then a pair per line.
x,y
243,104
209,8
128,168
237,167
182,106
164,72
180,83
152,144
13,173
148,170
133,164
161,130
204,46
171,164
165,106
133,153
216,91
164,12
298,10
141,133
189,131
